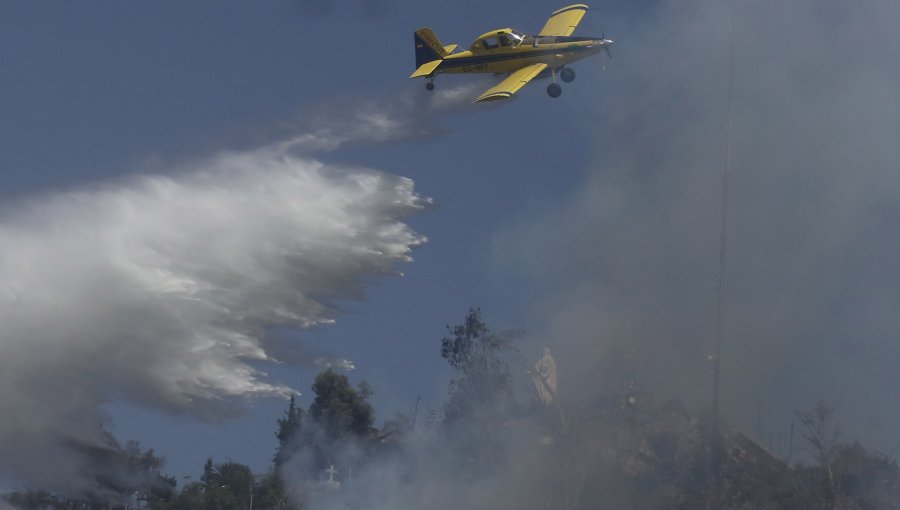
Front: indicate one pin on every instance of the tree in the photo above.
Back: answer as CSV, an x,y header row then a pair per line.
x,y
30,500
121,473
207,472
822,443
845,474
340,410
335,429
191,497
480,397
287,433
237,481
870,480
481,389
272,494
225,486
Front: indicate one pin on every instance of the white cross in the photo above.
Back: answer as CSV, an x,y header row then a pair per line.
x,y
331,472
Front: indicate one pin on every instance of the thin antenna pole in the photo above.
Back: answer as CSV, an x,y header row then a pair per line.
x,y
723,235
716,450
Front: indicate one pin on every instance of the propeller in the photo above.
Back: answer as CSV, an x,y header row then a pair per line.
x,y
606,44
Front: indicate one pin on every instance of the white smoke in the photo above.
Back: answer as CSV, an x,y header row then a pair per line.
x,y
160,290
632,258
374,121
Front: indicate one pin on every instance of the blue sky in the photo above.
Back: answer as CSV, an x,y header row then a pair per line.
x,y
591,220
93,91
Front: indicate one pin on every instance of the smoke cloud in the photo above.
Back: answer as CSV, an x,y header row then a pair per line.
x,y
160,290
631,261
629,265
373,121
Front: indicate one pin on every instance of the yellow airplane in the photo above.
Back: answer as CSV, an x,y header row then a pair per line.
x,y
505,50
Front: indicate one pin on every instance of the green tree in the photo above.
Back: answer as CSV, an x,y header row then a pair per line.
x,y
340,410
122,473
30,500
481,389
287,433
191,497
226,486
337,427
272,494
480,397
208,469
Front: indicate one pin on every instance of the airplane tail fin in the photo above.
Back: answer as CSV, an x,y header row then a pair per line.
x,y
428,47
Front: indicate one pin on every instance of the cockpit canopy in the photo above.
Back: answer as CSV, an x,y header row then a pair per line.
x,y
504,37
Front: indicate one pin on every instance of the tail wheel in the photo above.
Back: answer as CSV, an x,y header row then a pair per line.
x,y
567,75
429,86
554,90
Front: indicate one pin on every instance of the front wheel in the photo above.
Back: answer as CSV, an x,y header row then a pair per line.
x,y
567,75
554,90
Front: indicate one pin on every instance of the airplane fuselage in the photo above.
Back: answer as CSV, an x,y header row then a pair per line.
x,y
557,52
506,51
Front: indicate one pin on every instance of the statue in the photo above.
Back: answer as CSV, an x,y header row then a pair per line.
x,y
544,374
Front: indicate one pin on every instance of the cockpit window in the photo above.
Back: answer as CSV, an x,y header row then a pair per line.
x,y
504,41
533,40
490,43
516,37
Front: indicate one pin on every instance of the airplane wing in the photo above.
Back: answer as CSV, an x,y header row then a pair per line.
x,y
506,88
564,21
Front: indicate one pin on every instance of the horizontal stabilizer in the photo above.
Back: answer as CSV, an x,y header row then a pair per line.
x,y
426,69
450,47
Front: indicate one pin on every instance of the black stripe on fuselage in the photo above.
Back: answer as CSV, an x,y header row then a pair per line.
x,y
486,59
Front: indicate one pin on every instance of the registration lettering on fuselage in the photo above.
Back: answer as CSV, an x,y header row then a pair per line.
x,y
475,68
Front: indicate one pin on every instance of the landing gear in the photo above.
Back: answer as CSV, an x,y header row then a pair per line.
x,y
554,90
567,75
429,85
